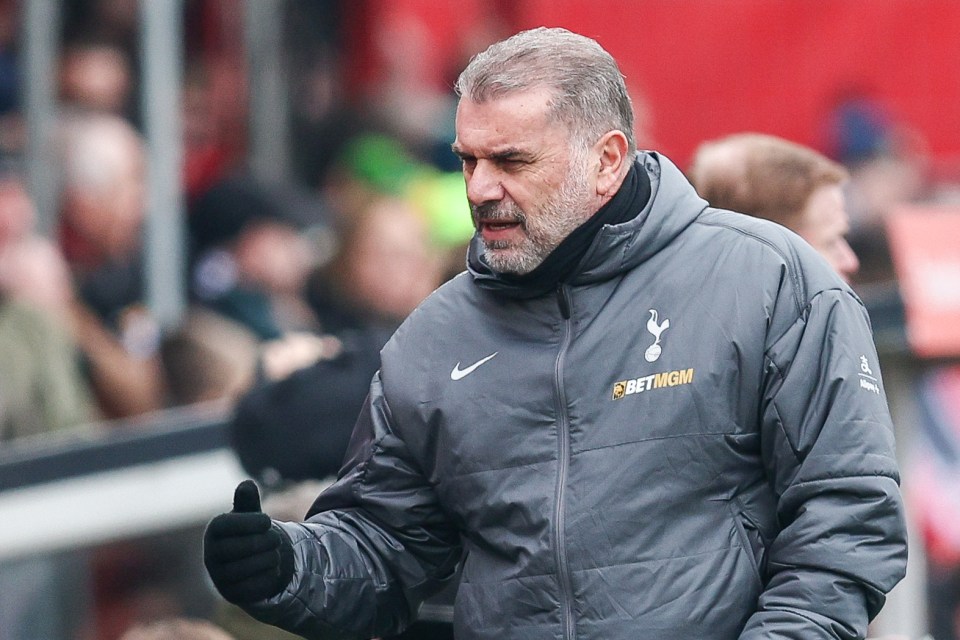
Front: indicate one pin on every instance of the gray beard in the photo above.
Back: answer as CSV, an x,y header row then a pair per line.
x,y
566,211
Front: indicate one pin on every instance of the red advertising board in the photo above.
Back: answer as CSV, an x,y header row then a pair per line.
x,y
699,69
925,246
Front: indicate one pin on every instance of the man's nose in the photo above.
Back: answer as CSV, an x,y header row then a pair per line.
x,y
484,184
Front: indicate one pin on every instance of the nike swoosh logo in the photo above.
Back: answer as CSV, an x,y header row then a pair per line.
x,y
459,373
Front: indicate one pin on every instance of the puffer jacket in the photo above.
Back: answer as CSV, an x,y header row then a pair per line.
x,y
689,439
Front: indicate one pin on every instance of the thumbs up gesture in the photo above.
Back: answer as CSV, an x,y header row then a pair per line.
x,y
247,556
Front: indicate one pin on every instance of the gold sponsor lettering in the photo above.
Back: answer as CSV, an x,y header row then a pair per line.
x,y
623,388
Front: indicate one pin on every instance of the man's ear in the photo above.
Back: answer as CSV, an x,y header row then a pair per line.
x,y
612,147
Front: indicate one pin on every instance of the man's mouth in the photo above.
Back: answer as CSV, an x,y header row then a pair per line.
x,y
493,230
497,225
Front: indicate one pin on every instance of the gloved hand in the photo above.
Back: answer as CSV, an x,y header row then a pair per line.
x,y
247,556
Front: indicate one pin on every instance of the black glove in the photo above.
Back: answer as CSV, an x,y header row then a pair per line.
x,y
247,557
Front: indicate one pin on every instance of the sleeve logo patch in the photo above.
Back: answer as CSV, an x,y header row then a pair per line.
x,y
868,382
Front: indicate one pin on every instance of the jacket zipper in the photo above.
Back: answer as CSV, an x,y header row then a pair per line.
x,y
563,463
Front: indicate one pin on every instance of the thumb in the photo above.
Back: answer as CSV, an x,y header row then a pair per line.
x,y
246,498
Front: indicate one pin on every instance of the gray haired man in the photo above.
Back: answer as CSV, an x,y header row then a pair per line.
x,y
634,416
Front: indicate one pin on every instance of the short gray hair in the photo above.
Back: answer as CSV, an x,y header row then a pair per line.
x,y
590,94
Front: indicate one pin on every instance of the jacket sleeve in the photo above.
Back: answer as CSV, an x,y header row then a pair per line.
x,y
828,448
374,546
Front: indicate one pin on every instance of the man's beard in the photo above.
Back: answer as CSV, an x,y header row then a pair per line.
x,y
551,224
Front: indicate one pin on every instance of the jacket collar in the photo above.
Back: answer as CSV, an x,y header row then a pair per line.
x,y
615,248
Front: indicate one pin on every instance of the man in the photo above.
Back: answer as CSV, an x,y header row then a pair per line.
x,y
634,417
43,386
769,177
101,164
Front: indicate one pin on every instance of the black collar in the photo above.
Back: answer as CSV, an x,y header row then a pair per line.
x,y
561,264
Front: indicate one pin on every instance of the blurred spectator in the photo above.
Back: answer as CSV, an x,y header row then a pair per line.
x,y
888,165
295,424
369,166
102,204
32,268
252,250
178,628
400,229
17,215
215,100
769,177
96,76
409,86
250,258
102,209
208,358
42,387
100,63
211,149
372,166
33,271
384,267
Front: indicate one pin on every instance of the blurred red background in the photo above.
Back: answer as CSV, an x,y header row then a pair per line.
x,y
709,67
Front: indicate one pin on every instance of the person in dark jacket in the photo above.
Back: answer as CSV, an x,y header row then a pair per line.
x,y
634,416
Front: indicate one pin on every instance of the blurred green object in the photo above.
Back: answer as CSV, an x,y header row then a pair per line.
x,y
442,198
382,162
387,166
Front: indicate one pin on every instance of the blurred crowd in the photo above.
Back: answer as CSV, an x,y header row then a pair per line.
x,y
314,271
294,287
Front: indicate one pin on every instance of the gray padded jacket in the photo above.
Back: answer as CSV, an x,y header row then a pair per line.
x,y
689,439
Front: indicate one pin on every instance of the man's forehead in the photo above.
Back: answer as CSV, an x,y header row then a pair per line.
x,y
525,103
515,119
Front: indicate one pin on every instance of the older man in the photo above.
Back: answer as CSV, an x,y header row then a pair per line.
x,y
634,417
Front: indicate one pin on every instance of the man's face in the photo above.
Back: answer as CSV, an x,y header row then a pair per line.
x,y
527,186
825,224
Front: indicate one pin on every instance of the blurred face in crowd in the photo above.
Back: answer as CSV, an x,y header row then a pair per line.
x,y
825,224
275,257
105,184
390,267
97,77
31,267
527,185
16,211
33,271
